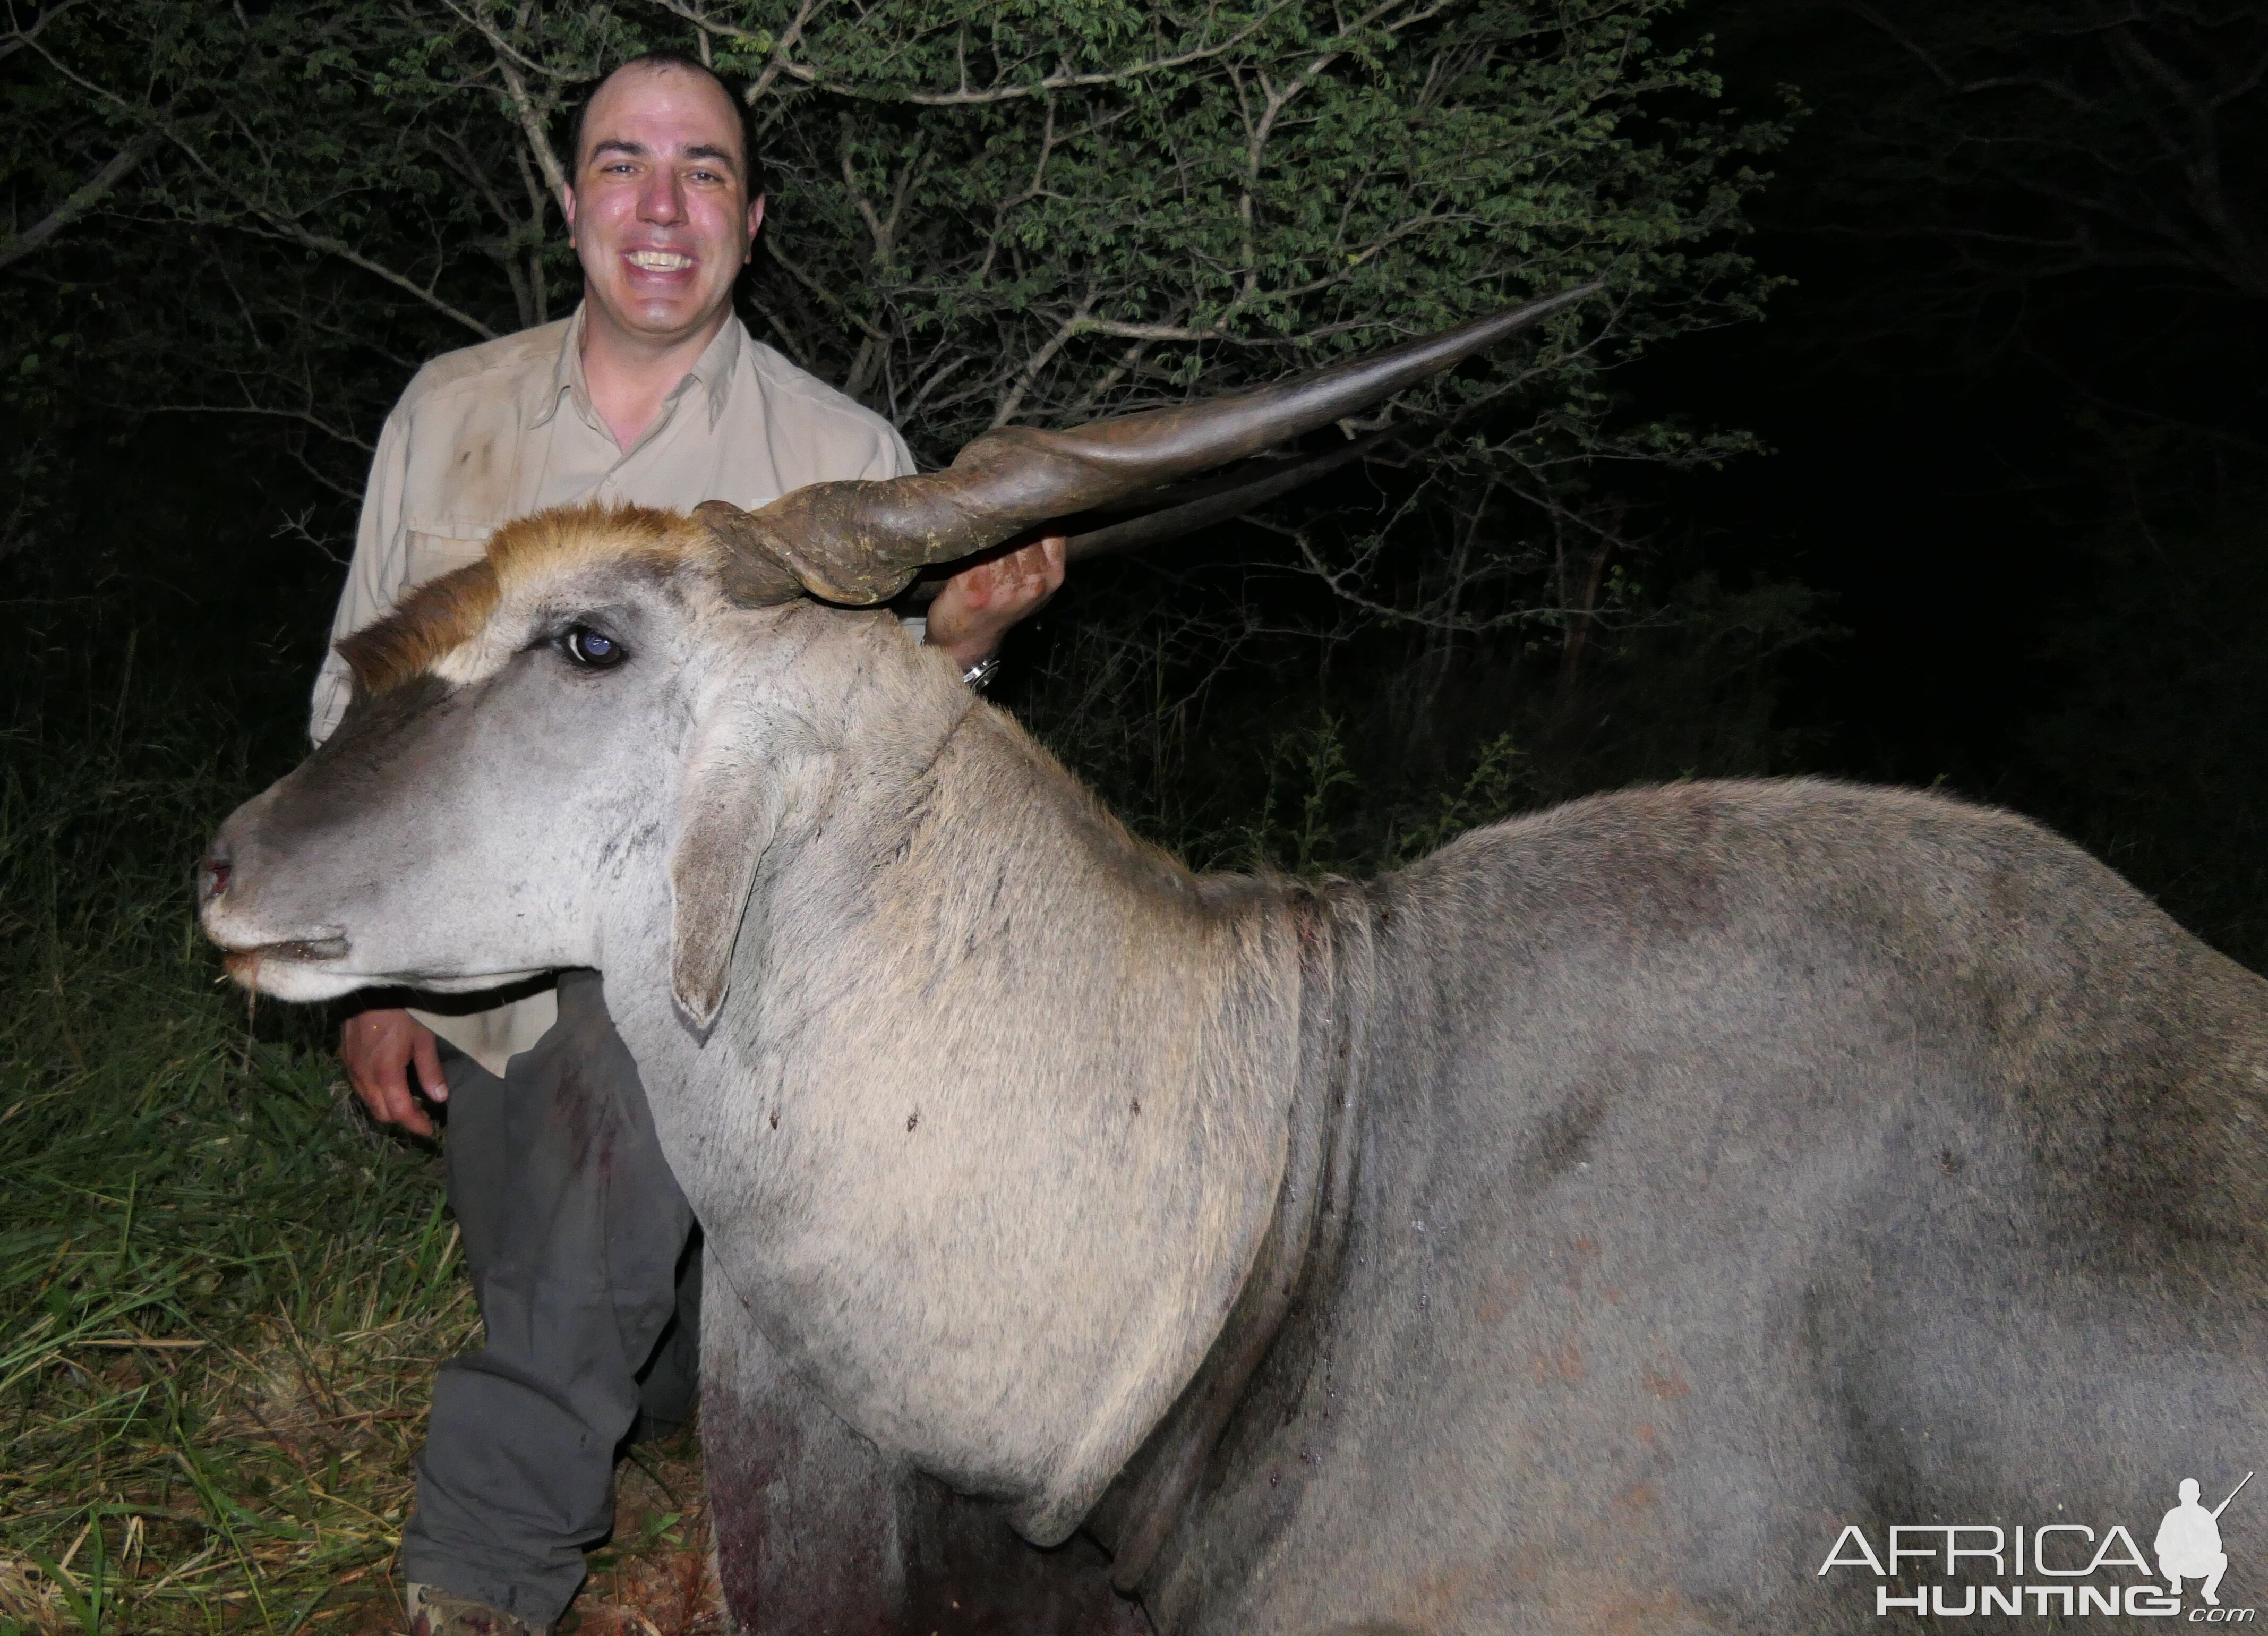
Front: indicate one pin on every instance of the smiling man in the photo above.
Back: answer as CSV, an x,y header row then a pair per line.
x,y
573,1230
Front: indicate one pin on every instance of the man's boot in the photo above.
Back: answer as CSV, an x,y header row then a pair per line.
x,y
435,1612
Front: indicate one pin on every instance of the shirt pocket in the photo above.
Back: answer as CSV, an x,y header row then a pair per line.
x,y
438,548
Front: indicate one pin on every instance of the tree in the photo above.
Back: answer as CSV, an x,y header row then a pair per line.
x,y
982,215
265,217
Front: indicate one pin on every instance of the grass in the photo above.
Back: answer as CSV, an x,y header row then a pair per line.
x,y
223,1293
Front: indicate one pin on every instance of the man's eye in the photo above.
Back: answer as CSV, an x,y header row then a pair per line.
x,y
591,650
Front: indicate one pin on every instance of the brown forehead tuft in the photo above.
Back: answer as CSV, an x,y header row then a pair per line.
x,y
445,614
440,615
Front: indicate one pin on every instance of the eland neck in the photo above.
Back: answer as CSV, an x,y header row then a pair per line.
x,y
993,1123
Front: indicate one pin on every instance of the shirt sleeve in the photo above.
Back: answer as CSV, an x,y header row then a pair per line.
x,y
892,458
375,574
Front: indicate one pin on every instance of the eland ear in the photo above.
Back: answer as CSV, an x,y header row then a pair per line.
x,y
725,827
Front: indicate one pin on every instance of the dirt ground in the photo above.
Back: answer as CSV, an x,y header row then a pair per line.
x,y
656,1576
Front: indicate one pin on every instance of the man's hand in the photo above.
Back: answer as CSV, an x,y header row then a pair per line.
x,y
978,604
378,1047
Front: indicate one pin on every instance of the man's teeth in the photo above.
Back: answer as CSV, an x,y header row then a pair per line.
x,y
660,261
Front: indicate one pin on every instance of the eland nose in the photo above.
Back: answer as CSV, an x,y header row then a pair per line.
x,y
213,875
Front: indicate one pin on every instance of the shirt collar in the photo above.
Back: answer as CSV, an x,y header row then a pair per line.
x,y
564,376
713,371
715,367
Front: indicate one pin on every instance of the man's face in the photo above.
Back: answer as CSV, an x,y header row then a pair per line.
x,y
659,209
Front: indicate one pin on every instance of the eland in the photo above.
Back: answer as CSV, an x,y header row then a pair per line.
x,y
1583,1228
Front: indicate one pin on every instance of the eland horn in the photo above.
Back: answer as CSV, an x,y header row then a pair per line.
x,y
861,542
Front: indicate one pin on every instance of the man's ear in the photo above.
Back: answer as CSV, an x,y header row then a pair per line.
x,y
726,821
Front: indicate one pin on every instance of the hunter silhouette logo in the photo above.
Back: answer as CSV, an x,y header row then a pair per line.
x,y
2058,1568
2189,1542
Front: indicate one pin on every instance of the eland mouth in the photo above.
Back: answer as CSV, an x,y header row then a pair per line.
x,y
243,962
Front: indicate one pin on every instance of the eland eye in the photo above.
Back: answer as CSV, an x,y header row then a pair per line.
x,y
591,649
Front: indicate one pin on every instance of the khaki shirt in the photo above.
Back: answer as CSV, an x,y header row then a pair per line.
x,y
504,429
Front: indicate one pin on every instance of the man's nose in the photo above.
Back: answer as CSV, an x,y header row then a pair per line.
x,y
662,199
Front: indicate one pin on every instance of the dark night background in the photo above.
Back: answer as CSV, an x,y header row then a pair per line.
x,y
2017,399
1935,452
2008,399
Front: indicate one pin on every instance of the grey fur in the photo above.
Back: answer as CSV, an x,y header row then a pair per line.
x,y
1645,1188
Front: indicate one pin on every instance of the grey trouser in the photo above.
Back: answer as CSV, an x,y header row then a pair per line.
x,y
575,1236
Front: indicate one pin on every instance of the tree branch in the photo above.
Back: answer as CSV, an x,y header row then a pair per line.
x,y
82,199
18,38
305,417
1039,360
523,106
279,225
962,96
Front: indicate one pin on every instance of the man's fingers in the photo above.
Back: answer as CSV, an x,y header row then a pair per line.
x,y
1030,573
395,1105
377,1048
371,1098
426,1051
386,1094
1016,584
1039,571
979,604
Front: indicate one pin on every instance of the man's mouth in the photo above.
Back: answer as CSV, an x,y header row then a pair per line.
x,y
659,261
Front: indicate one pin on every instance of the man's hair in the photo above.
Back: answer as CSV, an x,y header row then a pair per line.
x,y
752,163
